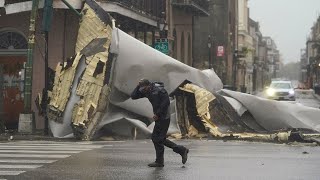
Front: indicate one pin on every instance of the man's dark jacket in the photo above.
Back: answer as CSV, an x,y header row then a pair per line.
x,y
158,97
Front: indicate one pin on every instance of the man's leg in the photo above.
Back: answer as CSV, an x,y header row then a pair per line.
x,y
183,151
176,148
158,140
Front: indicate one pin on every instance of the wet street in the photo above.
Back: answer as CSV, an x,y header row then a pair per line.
x,y
128,160
303,97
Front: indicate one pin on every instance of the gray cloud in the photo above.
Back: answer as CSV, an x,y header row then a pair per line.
x,y
289,22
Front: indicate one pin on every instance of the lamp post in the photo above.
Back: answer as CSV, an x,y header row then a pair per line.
x,y
209,51
235,56
318,73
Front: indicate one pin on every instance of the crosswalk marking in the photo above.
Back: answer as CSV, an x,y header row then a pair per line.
x,y
43,146
35,155
38,152
50,148
19,157
27,161
55,145
9,166
10,173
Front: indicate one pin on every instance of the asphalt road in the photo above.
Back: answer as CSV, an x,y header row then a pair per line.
x,y
207,160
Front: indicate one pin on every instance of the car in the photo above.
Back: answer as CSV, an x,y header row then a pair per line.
x,y
281,90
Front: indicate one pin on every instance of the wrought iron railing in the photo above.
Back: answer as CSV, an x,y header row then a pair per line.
x,y
202,5
14,1
155,8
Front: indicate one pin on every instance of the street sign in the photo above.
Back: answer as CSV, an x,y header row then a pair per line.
x,y
220,51
162,45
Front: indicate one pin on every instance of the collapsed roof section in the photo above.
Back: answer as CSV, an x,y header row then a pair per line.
x,y
92,92
81,93
81,80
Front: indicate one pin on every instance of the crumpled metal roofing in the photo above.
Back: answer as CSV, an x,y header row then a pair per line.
x,y
92,91
281,128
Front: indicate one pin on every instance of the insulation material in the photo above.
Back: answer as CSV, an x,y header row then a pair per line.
x,y
62,84
203,98
91,27
61,89
77,88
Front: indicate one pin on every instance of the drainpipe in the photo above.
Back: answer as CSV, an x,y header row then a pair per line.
x,y
46,25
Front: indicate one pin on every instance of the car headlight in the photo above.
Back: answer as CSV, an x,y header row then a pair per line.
x,y
291,92
270,92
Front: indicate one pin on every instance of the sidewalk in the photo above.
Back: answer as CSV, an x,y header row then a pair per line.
x,y
316,96
37,136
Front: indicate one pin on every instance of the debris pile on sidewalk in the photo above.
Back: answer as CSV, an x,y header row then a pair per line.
x,y
204,99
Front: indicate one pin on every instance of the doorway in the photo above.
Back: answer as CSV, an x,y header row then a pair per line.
x,y
13,50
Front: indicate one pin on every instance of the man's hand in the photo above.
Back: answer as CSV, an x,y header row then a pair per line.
x,y
155,117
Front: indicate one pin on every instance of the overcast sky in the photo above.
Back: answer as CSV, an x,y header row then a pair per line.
x,y
288,22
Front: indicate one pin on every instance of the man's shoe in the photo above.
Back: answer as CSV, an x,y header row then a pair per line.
x,y
184,156
155,164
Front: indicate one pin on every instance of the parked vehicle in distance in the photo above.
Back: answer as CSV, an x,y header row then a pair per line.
x,y
281,90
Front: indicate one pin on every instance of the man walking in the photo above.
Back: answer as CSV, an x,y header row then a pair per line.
x,y
159,99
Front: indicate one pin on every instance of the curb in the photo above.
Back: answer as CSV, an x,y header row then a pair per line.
x,y
30,137
316,96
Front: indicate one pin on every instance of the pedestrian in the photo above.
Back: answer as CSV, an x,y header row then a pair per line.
x,y
160,102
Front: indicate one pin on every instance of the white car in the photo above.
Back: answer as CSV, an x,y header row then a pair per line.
x,y
281,90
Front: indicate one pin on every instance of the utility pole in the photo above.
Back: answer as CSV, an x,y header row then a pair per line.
x,y
234,68
209,51
1,99
27,117
29,64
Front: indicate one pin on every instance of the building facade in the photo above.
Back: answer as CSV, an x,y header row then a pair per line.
x,y
216,39
140,18
303,66
246,49
313,56
259,57
273,57
180,20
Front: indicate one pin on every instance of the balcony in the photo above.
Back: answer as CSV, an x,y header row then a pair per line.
x,y
153,8
199,7
146,11
6,2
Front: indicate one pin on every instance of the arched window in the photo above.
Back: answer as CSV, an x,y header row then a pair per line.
x,y
12,40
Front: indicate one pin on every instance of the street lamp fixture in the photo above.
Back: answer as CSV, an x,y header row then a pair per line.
x,y
162,27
